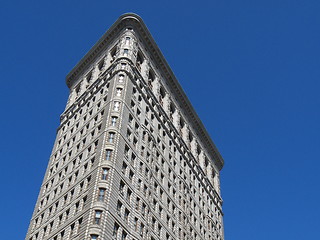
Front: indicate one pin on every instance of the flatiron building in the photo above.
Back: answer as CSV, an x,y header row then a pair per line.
x,y
131,159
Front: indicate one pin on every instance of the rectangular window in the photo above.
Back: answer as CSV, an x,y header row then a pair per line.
x,y
114,121
119,206
94,237
133,158
121,188
128,134
104,173
116,106
111,137
108,153
97,216
135,141
119,91
127,41
135,224
131,176
137,203
102,192
128,195
115,229
121,78
124,235
126,215
124,168
126,151
143,209
141,229
130,119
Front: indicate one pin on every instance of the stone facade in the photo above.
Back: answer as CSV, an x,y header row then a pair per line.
x,y
131,159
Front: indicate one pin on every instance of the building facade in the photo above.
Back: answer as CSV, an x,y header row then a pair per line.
x,y
131,158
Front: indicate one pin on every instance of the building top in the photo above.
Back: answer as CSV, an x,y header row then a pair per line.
x,y
135,21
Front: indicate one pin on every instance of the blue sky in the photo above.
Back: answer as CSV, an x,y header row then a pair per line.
x,y
250,69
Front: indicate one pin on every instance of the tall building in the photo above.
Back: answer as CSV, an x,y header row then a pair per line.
x,y
131,159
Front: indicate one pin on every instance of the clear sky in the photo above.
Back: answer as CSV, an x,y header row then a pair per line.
x,y
250,69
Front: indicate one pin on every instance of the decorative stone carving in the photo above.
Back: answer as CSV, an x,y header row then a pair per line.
x,y
193,146
145,69
210,173
216,182
156,87
185,134
72,97
95,73
166,104
202,161
83,86
108,60
176,120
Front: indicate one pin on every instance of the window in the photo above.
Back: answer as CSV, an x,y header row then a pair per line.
x,y
130,119
114,121
124,168
97,216
128,134
126,215
135,141
116,106
131,176
118,92
94,237
127,41
121,188
108,154
104,173
115,229
135,223
79,224
121,78
143,209
136,127
124,235
133,158
125,52
141,228
139,60
102,192
111,137
128,195
119,206
153,223
71,229
126,151
101,65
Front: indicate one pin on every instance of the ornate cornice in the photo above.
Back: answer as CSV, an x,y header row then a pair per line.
x,y
135,21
